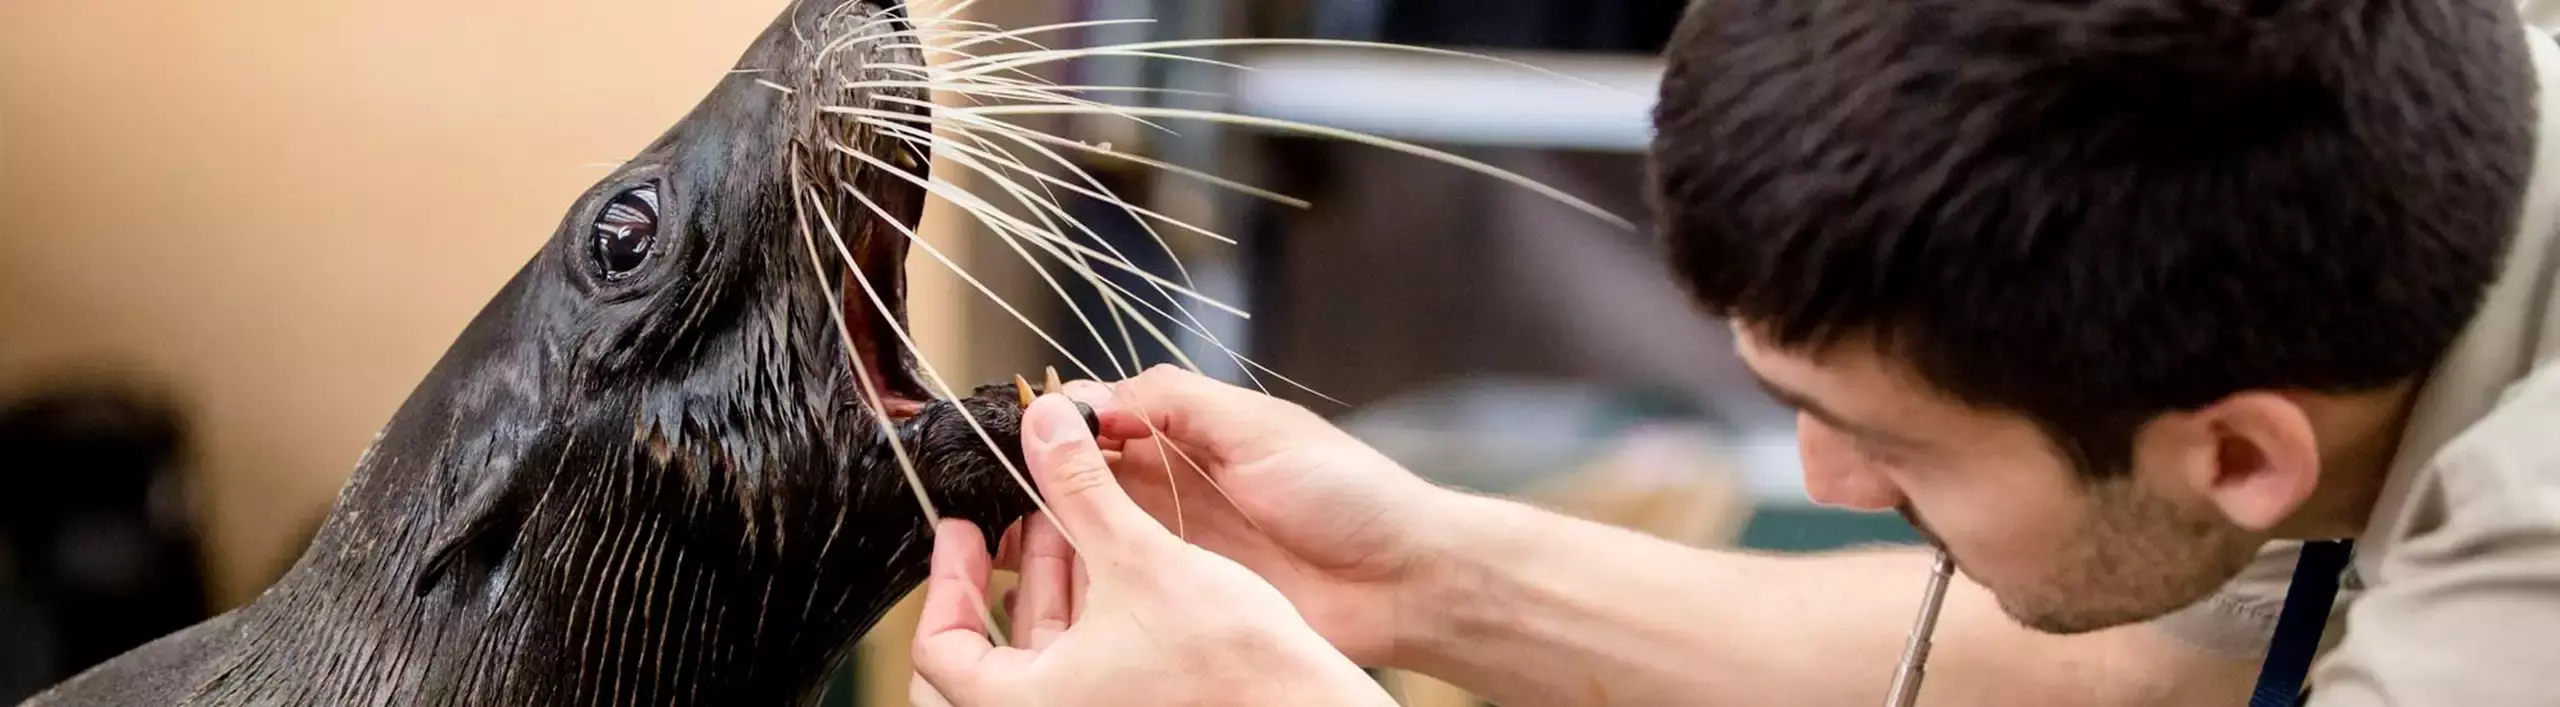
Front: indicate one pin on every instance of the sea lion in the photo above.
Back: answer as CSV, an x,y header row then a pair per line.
x,y
646,473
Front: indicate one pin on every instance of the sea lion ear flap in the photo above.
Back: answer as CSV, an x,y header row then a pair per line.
x,y
488,506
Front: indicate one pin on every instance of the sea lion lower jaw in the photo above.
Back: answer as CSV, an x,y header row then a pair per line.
x,y
668,462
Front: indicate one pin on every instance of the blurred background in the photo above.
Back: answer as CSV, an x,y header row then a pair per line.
x,y
234,235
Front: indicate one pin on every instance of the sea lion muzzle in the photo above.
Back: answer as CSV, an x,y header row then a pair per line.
x,y
666,464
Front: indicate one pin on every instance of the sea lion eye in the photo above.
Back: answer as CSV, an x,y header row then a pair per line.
x,y
626,232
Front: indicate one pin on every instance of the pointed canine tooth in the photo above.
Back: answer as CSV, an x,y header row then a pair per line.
x,y
1054,385
1023,388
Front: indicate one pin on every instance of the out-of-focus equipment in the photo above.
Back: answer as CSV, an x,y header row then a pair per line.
x,y
97,554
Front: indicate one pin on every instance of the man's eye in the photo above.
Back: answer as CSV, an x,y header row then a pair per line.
x,y
626,232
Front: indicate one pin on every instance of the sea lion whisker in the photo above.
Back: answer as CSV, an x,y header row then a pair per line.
x,y
935,379
981,286
1024,134
1109,198
1349,135
1239,358
1015,162
1037,268
1117,309
948,15
1344,44
1020,60
906,465
989,89
1029,91
1036,204
1041,209
1019,34
1066,100
1169,344
963,198
1000,155
871,393
887,13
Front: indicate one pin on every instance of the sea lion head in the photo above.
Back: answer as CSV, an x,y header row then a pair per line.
x,y
731,301
681,424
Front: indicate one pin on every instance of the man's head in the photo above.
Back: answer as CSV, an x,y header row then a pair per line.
x,y
2090,286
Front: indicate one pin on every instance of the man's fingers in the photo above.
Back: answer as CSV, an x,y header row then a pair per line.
x,y
1123,423
1088,392
1192,409
1077,484
1009,549
1079,590
1095,396
1046,596
920,693
951,635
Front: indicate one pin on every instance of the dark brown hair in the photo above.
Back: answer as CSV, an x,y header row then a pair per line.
x,y
2094,212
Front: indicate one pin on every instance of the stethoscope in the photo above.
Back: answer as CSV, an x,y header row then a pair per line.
x,y
1915,654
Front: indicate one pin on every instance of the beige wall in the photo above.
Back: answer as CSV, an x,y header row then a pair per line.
x,y
289,207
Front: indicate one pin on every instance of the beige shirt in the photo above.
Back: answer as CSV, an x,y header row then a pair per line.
x,y
2453,598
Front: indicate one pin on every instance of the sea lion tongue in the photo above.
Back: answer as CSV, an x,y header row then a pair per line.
x,y
658,467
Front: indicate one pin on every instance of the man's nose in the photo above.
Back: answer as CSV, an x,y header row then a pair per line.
x,y
1836,475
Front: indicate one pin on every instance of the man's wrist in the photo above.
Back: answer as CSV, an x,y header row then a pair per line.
x,y
1458,576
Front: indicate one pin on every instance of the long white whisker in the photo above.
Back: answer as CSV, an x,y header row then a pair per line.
x,y
1018,34
1016,163
1337,133
1018,134
966,160
978,210
985,86
1115,49
1011,130
1197,328
1117,309
1027,91
959,196
935,377
862,373
963,155
1018,61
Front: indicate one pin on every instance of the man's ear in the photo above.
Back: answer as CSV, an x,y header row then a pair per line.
x,y
2264,457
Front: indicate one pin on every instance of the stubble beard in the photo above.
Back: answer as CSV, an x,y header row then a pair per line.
x,y
2138,557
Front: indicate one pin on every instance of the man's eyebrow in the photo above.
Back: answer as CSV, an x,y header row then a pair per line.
x,y
1798,401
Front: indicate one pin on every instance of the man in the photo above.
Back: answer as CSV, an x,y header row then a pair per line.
x,y
2122,302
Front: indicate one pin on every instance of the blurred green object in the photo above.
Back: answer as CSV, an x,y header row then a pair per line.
x,y
846,687
1801,528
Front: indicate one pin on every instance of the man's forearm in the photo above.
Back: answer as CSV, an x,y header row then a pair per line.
x,y
1541,609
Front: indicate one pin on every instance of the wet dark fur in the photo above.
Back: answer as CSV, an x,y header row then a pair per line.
x,y
663,490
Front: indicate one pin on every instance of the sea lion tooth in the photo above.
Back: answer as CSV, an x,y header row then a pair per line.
x,y
1023,388
1054,385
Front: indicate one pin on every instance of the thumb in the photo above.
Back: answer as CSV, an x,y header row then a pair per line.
x,y
1082,494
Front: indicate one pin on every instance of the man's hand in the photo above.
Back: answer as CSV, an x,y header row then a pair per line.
x,y
1525,606
1128,614
1347,534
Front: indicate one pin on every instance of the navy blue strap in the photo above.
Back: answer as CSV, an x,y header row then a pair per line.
x,y
2306,613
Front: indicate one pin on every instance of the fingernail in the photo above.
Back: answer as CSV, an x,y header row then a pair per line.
x,y
1054,429
1099,396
